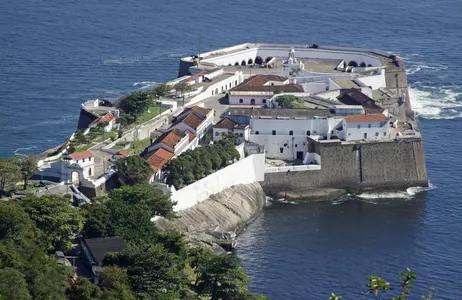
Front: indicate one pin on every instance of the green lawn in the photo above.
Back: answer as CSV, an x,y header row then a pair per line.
x,y
118,146
146,116
84,147
137,147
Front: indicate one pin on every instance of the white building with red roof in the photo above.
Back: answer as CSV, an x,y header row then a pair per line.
x,y
227,126
196,120
78,166
108,121
365,127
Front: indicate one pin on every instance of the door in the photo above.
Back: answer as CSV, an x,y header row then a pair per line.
x,y
300,155
365,135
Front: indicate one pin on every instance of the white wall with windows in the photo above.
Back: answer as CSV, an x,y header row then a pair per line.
x,y
249,99
243,134
365,131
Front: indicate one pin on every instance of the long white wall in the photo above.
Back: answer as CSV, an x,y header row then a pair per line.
x,y
250,169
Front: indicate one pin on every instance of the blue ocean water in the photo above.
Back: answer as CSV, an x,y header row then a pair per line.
x,y
55,54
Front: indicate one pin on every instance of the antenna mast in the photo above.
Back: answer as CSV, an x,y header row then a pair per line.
x,y
200,46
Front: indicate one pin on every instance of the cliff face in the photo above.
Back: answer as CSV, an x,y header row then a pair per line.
x,y
230,210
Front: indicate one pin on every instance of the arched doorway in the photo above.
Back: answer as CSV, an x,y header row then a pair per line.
x,y
352,64
75,177
250,61
243,63
363,65
252,101
258,60
236,64
267,60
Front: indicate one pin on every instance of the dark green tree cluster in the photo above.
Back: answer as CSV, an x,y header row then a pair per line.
x,y
133,170
193,165
156,264
289,101
29,231
15,169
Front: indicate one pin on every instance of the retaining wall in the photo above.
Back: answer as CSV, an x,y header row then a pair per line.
x,y
379,165
247,170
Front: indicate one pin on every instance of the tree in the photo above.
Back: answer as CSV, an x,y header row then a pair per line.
x,y
134,104
115,284
57,221
83,289
9,174
182,88
98,221
15,225
132,170
28,166
152,198
162,90
289,101
13,286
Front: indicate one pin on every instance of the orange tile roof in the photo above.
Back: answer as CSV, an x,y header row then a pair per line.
x,y
123,153
158,158
257,83
170,138
366,118
81,155
228,124
106,118
192,121
191,135
201,111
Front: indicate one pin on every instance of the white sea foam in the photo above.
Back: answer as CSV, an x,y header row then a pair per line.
x,y
408,194
145,84
19,150
438,104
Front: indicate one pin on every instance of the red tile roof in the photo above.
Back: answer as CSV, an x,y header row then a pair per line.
x,y
192,121
257,83
366,118
228,124
106,118
81,155
356,97
158,158
123,153
170,138
201,111
191,135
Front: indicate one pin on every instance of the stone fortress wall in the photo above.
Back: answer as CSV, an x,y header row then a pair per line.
x,y
375,165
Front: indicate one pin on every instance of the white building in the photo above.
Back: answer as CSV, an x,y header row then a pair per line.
x,y
284,132
108,120
78,166
365,127
259,89
226,126
196,120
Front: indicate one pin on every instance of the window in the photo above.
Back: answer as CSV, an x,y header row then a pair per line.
x,y
217,133
376,134
241,134
241,101
235,82
365,135
252,101
281,150
291,132
369,126
257,132
296,145
308,133
263,101
89,172
274,132
384,134
358,126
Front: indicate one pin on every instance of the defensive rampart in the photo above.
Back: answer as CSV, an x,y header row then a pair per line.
x,y
378,165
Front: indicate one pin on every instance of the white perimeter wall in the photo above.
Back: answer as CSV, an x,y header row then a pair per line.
x,y
250,169
374,81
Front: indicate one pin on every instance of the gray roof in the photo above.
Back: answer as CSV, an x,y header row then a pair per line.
x,y
278,112
98,247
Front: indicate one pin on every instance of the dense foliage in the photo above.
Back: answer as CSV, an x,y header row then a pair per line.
x,y
289,101
133,170
14,169
193,165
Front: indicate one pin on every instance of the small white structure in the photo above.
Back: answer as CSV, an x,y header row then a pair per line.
x,y
226,126
78,166
365,127
108,121
292,65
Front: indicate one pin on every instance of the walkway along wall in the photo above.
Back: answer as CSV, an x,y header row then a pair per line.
x,y
249,170
378,165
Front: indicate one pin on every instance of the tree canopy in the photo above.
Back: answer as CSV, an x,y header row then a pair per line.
x,y
132,170
10,173
193,165
27,166
289,101
162,90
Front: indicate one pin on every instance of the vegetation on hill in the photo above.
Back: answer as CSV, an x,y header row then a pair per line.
x,y
193,165
15,169
155,265
289,101
132,170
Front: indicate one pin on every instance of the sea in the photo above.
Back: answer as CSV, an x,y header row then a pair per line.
x,y
55,54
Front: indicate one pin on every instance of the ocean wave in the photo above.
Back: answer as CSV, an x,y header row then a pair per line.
x,y
442,103
409,193
145,84
17,151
